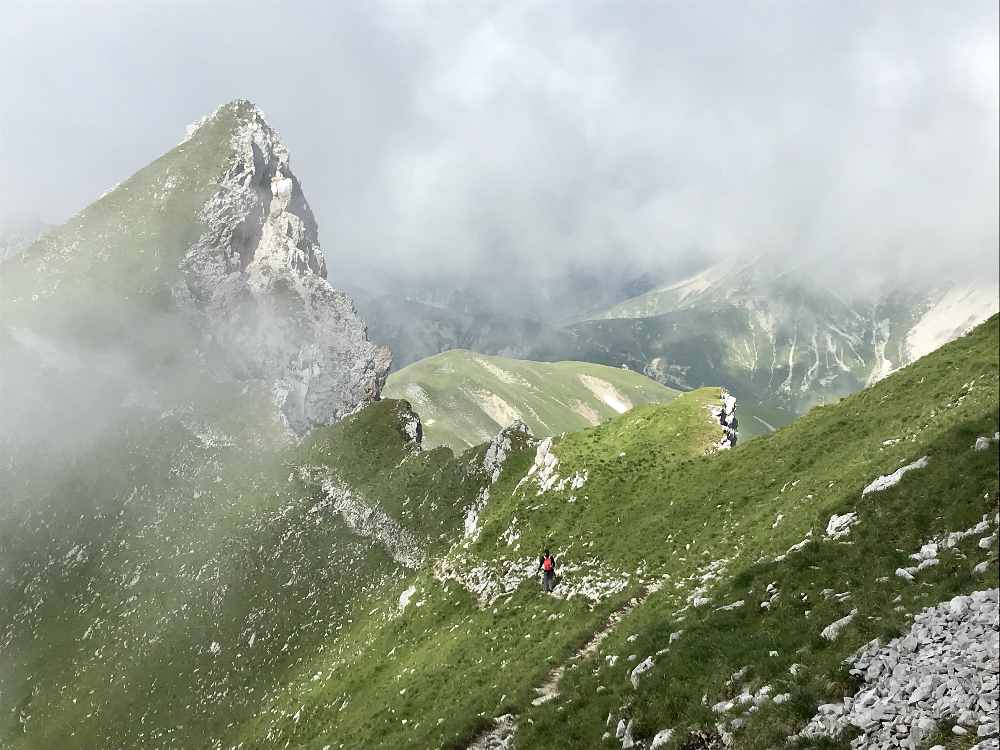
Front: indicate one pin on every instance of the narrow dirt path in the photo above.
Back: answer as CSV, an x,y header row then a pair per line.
x,y
501,736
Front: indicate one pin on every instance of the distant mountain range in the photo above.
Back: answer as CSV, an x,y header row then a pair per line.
x,y
414,330
782,340
505,316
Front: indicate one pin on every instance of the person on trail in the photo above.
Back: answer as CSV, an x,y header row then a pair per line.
x,y
547,564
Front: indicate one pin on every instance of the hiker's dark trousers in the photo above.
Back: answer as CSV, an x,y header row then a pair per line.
x,y
548,581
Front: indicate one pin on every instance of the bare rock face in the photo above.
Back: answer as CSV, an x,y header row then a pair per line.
x,y
258,278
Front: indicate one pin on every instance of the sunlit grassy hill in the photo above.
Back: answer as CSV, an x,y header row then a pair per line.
x,y
463,398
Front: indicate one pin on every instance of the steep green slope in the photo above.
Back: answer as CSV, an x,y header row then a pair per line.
x,y
463,398
153,595
776,493
664,534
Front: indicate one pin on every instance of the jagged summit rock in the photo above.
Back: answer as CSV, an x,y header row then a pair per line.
x,y
259,277
203,268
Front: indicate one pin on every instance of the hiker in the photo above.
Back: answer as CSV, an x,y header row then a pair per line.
x,y
547,564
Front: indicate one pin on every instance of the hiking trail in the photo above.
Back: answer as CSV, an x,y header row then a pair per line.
x,y
504,728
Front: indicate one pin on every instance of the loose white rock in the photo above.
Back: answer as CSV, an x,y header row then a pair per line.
x,y
891,480
942,673
840,526
644,666
832,631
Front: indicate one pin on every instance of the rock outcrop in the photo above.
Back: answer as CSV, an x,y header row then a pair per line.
x,y
493,461
726,414
500,447
367,519
257,276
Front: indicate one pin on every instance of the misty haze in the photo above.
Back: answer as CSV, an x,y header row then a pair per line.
x,y
499,376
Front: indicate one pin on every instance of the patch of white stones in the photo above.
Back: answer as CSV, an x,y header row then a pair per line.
x,y
941,675
499,737
832,631
983,442
370,521
704,579
928,555
840,526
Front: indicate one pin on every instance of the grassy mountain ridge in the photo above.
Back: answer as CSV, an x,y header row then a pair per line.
x,y
455,660
318,649
712,526
463,398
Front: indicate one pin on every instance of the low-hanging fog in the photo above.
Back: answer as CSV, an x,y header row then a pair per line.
x,y
472,143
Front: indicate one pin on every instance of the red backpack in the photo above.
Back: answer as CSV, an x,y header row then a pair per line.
x,y
547,564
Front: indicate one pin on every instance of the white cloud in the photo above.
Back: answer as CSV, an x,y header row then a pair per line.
x,y
436,136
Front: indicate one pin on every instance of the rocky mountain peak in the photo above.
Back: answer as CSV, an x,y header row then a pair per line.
x,y
258,276
207,261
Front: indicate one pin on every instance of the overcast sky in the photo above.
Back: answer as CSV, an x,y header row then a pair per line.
x,y
525,135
